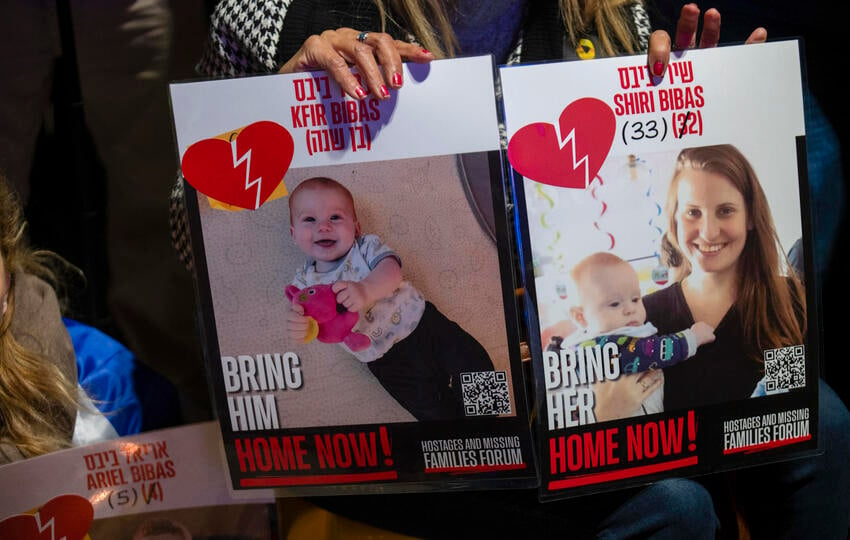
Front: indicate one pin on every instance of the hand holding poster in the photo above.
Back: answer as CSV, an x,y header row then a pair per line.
x,y
355,281
656,215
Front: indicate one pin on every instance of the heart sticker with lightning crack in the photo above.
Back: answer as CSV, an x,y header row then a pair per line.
x,y
567,154
241,168
65,516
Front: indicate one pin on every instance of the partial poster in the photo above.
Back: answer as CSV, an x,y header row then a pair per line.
x,y
355,283
160,484
666,254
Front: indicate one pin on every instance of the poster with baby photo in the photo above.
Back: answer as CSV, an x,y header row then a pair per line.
x,y
355,281
664,227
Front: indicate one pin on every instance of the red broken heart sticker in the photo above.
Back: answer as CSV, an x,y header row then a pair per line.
x,y
65,516
241,168
567,155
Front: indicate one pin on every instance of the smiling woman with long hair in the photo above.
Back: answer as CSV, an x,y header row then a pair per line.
x,y
730,271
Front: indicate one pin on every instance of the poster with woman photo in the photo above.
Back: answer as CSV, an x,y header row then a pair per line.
x,y
664,224
355,282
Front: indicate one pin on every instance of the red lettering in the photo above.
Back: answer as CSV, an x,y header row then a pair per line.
x,y
557,456
674,99
364,449
351,110
263,456
324,451
650,439
574,452
336,112
342,451
375,108
594,448
289,456
304,89
671,435
244,455
588,450
698,99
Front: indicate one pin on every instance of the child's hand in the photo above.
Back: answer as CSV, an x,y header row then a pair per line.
x,y
703,332
351,294
620,398
297,324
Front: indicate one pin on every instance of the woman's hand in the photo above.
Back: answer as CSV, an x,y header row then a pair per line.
x,y
620,398
686,36
376,55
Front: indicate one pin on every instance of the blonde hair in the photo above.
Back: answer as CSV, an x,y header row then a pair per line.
x,y
771,306
35,396
428,20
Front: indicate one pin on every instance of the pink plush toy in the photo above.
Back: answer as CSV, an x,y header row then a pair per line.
x,y
333,320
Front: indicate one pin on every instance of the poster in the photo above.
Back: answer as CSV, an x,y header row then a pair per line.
x,y
170,481
614,235
407,380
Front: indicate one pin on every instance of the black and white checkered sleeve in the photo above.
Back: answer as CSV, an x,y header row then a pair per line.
x,y
243,38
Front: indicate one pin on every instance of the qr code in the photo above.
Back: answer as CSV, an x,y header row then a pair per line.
x,y
784,368
485,393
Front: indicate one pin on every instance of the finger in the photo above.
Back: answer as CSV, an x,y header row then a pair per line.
x,y
759,35
362,53
647,377
338,286
686,28
649,381
383,64
298,308
389,58
710,36
413,52
392,52
659,52
320,52
654,385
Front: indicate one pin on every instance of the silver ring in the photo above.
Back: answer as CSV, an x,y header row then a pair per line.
x,y
361,37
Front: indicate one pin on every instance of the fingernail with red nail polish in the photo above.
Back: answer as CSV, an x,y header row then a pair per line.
x,y
426,51
658,68
360,92
397,79
384,91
